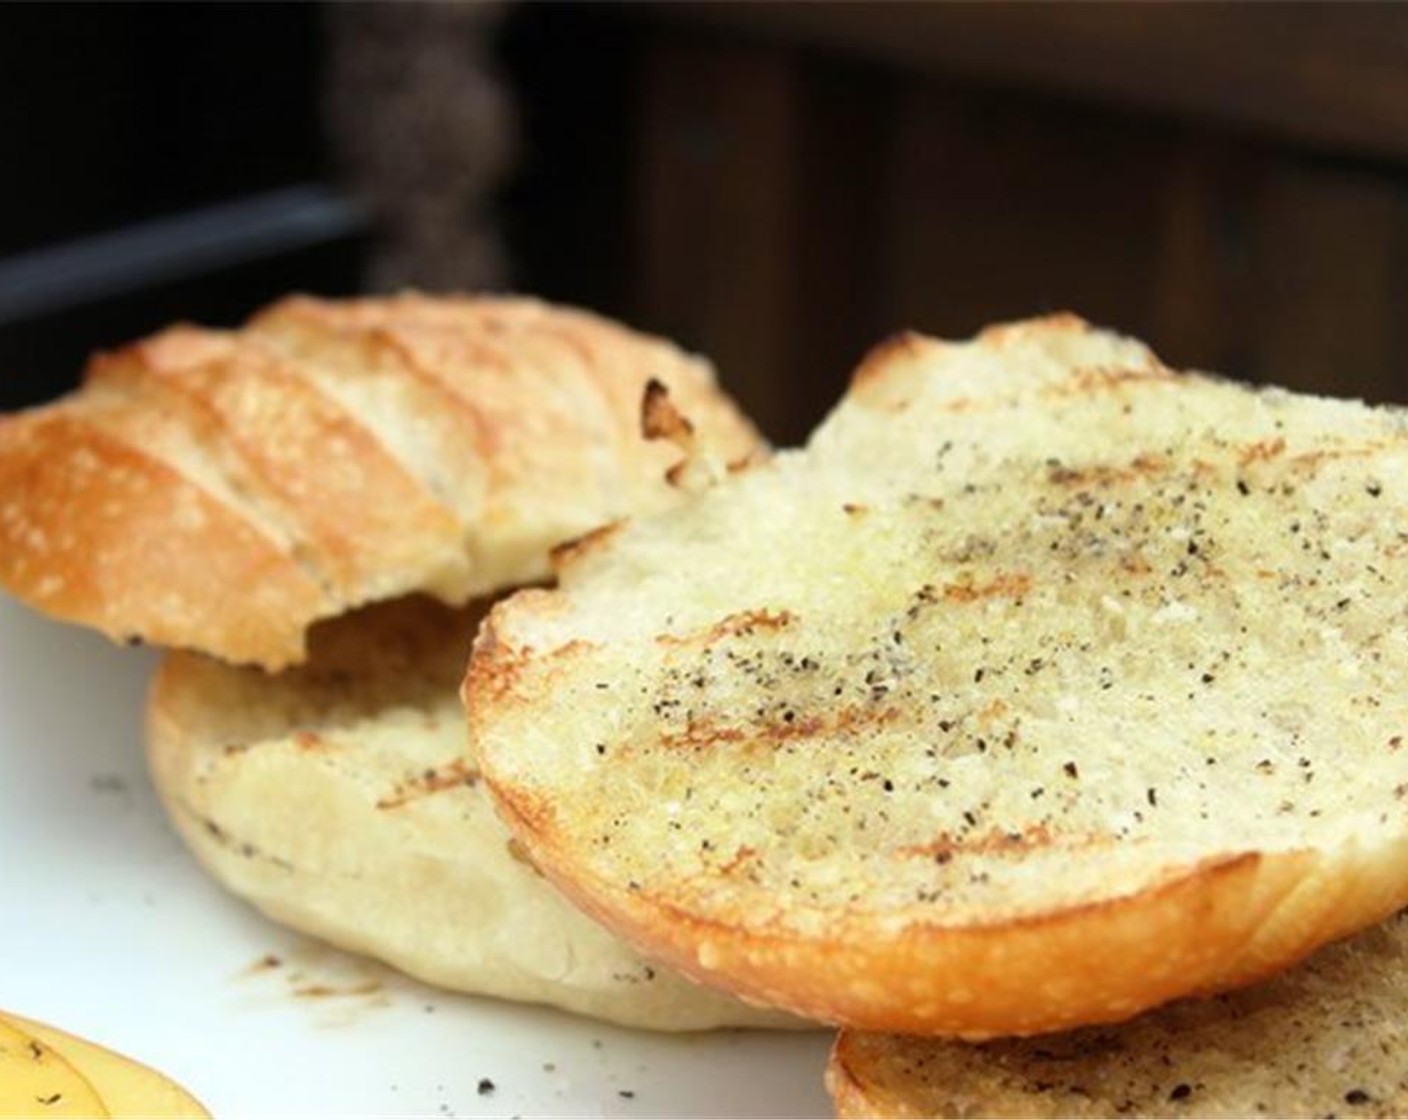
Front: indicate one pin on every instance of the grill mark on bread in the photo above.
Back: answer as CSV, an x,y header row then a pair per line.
x,y
1103,379
739,624
1262,451
455,774
1102,475
570,552
661,420
701,732
1143,645
738,862
221,835
1009,585
1000,842
1314,460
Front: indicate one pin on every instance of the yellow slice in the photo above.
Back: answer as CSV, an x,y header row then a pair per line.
x,y
37,1080
125,1086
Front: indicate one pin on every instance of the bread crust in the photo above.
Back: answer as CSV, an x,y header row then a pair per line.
x,y
944,842
1222,923
334,453
1326,1038
250,591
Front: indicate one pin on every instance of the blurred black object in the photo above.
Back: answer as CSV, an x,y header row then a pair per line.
x,y
778,185
161,162
193,162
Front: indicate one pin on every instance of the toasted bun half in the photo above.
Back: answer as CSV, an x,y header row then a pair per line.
x,y
222,490
1329,1038
1044,686
335,798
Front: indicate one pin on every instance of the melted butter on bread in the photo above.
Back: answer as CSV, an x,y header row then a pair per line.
x,y
1045,685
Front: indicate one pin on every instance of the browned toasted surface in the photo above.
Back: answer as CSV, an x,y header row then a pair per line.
x,y
1044,686
1329,1038
222,490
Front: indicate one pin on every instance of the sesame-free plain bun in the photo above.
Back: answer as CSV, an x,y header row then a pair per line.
x,y
334,796
1044,686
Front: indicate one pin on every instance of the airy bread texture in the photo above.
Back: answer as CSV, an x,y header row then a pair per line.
x,y
335,798
221,490
1329,1038
1044,686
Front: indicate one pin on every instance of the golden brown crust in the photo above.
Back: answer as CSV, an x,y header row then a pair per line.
x,y
880,359
102,574
1219,925
982,721
569,552
660,419
331,454
303,458
850,1093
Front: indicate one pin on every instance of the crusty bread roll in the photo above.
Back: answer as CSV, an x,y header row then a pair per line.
x,y
222,490
1044,686
1328,1038
334,796
227,491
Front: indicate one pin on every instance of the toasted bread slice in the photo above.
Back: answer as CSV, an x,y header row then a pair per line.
x,y
222,490
1044,686
1328,1038
334,797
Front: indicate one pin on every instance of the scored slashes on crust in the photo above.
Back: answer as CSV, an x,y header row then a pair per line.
x,y
222,490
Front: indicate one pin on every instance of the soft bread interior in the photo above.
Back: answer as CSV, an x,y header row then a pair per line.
x,y
336,798
1044,686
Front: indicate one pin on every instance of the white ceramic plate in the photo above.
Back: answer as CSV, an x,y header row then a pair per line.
x,y
108,929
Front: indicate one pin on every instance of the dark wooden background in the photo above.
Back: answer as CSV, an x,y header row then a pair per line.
x,y
1228,182
781,185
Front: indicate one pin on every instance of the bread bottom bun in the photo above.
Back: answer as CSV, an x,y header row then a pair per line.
x,y
335,798
1329,1038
